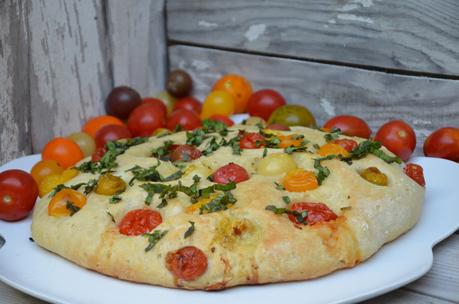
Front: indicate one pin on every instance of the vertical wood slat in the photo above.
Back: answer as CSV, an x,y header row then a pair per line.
x,y
14,94
137,40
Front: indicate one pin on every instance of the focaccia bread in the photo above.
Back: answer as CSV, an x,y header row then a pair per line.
x,y
242,232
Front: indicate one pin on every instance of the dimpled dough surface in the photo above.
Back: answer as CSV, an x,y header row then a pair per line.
x,y
270,249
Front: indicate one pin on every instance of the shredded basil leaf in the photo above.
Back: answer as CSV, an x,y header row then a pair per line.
x,y
72,207
154,238
115,199
162,152
278,186
190,230
222,202
286,199
301,217
111,216
334,134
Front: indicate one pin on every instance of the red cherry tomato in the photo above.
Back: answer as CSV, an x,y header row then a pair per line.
x,y
145,119
230,173
187,263
222,118
349,125
157,102
188,103
263,102
317,212
398,137
278,126
252,141
139,221
63,150
95,124
110,133
187,119
185,153
347,144
98,154
18,193
443,143
416,173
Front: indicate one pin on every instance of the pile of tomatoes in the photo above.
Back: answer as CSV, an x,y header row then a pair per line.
x,y
129,115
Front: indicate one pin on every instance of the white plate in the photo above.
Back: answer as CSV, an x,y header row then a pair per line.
x,y
45,275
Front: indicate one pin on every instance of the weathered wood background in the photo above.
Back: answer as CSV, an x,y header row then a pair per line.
x,y
377,59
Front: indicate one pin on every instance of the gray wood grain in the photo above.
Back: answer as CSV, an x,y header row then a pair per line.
x,y
15,135
329,90
69,70
138,44
417,35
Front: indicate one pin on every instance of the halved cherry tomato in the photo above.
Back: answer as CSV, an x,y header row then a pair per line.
x,y
157,102
66,202
332,149
109,184
443,143
145,119
398,137
188,120
218,102
263,102
278,126
252,141
347,144
187,263
317,212
18,193
289,141
139,221
52,181
349,125
300,180
95,124
63,150
239,88
111,133
44,168
222,118
374,176
416,173
230,173
188,103
98,154
185,153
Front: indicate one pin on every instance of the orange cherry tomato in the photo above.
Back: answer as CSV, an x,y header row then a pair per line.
x,y
416,173
317,212
139,221
218,102
332,149
52,181
66,202
187,263
95,124
289,141
63,150
45,168
347,144
300,180
239,88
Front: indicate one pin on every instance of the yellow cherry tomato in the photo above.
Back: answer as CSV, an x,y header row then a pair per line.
x,y
168,100
84,141
109,184
44,168
255,121
374,176
66,202
239,88
276,164
332,149
217,102
52,181
161,132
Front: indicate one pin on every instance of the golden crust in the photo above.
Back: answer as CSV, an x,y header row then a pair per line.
x,y
269,249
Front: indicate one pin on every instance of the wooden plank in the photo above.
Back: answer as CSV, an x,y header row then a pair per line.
x,y
443,279
138,44
329,90
69,72
417,35
401,296
14,94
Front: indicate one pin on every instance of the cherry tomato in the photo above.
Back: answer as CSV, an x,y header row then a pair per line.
x,y
109,184
95,124
278,126
157,102
443,143
188,120
317,212
111,133
222,118
84,141
239,88
300,180
52,181
98,154
276,164
349,125
263,102
179,83
185,153
332,149
347,144
64,151
66,203
252,141
44,168
168,100
139,221
374,176
218,102
145,119
121,101
293,115
255,121
188,103
187,263
230,173
18,193
416,173
398,137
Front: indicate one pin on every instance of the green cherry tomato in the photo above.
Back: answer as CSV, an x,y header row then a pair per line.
x,y
292,115
168,100
84,141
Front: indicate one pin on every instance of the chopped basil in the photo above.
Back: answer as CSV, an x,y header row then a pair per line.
x,y
322,172
214,126
299,216
190,230
222,202
234,143
111,216
89,186
154,238
301,148
286,199
212,146
196,137
151,174
265,152
115,199
163,151
278,186
334,134
372,147
72,207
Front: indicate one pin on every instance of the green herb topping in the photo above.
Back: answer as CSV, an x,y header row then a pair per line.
x,y
190,230
222,202
334,134
299,216
154,238
72,207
